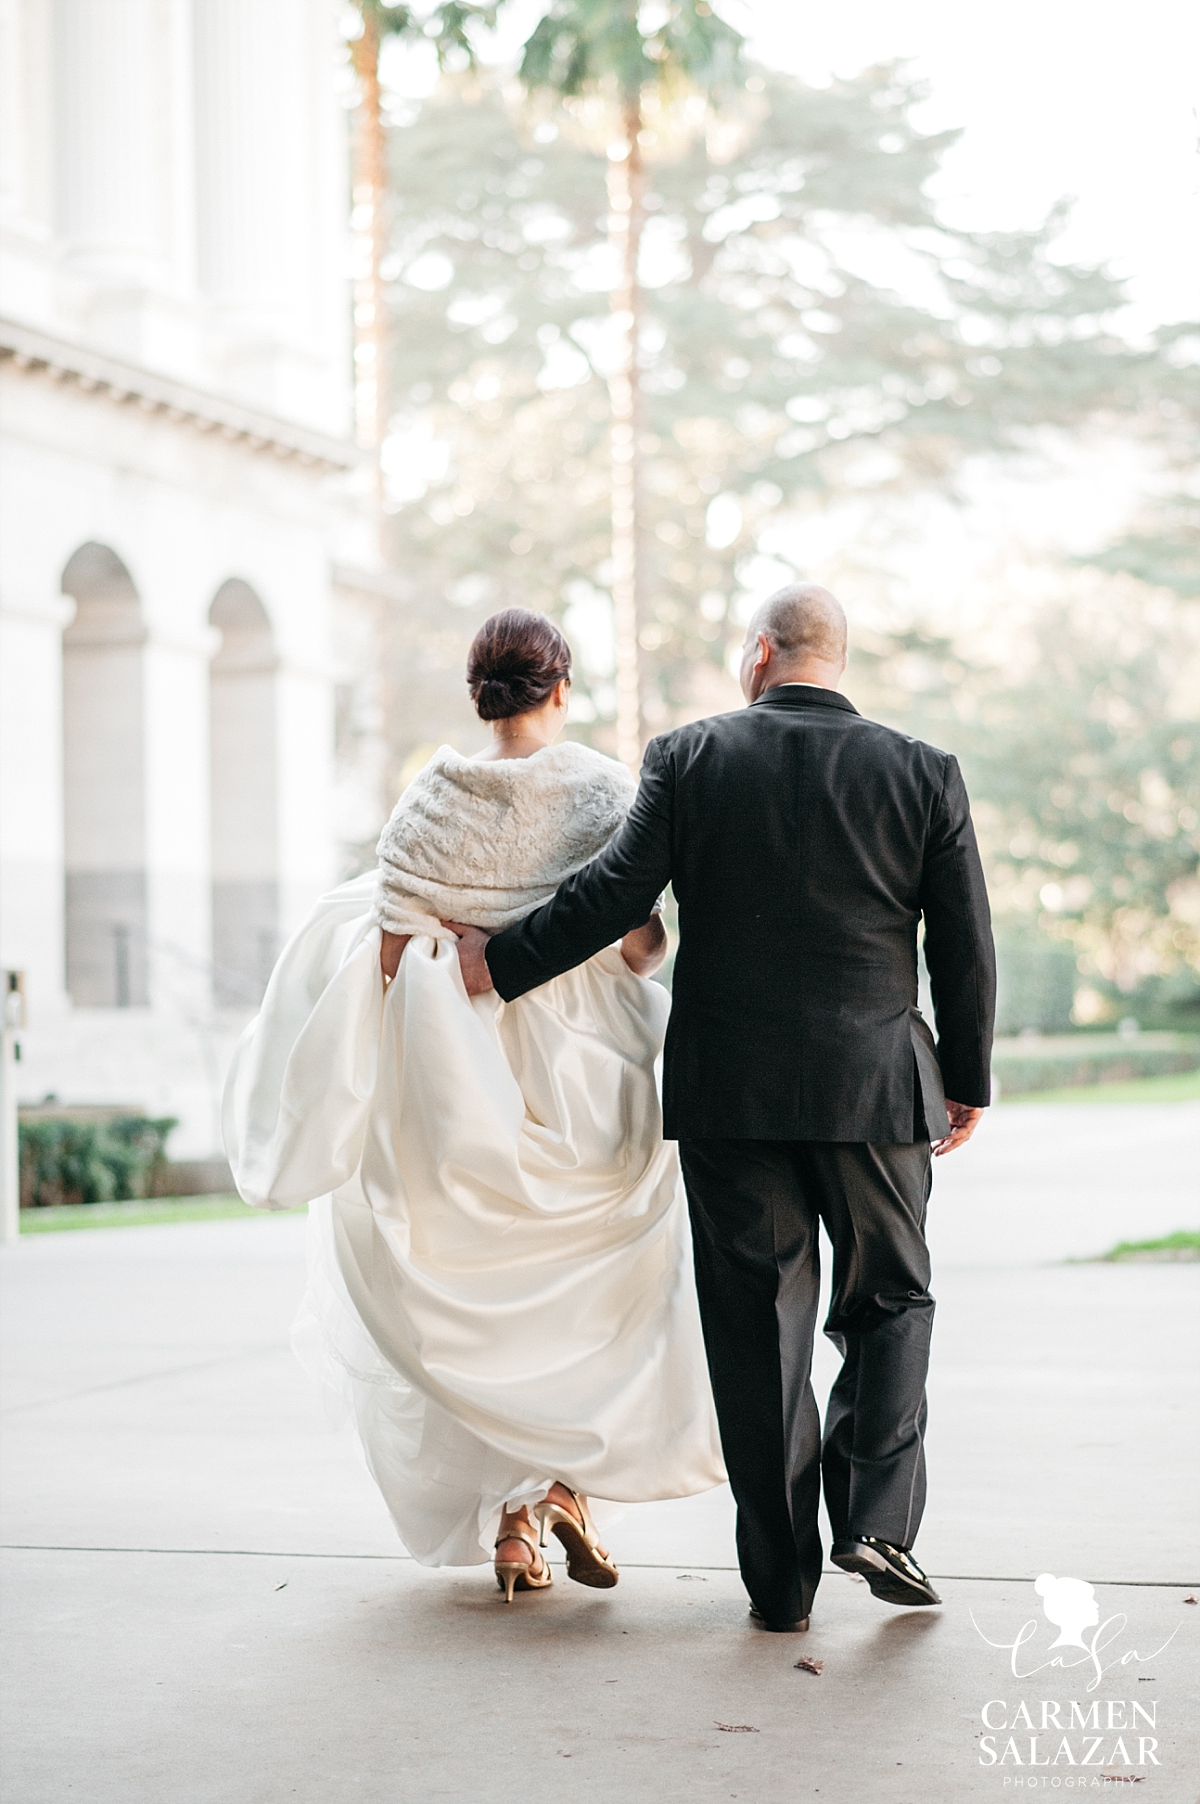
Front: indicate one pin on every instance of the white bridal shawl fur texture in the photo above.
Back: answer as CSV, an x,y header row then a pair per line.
x,y
486,843
500,1284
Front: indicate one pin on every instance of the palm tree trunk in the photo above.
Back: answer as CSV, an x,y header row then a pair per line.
x,y
626,213
369,224
368,240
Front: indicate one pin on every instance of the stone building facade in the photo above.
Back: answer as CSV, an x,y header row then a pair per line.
x,y
184,535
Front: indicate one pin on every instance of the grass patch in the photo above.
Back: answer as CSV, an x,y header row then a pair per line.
x,y
1176,1086
142,1214
1181,1247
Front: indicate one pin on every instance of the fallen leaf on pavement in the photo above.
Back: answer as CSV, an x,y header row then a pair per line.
x,y
806,1663
1193,1599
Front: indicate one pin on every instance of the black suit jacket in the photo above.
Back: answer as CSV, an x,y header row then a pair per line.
x,y
804,843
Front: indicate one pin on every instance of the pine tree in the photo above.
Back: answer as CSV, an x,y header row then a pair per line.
x,y
1164,547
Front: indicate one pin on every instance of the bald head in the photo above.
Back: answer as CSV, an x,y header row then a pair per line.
x,y
798,635
803,621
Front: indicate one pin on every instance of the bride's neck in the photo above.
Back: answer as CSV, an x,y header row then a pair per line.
x,y
519,738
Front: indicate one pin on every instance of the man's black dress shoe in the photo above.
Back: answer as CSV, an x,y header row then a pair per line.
x,y
891,1572
777,1628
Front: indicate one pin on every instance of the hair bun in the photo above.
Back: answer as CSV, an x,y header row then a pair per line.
x,y
497,698
516,661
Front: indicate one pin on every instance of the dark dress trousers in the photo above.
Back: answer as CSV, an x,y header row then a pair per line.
x,y
805,844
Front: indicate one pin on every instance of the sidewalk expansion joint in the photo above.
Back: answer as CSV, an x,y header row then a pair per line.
x,y
269,1553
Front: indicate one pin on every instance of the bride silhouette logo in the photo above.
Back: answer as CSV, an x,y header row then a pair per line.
x,y
1069,1605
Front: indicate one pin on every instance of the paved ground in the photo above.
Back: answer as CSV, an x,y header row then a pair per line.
x,y
205,1600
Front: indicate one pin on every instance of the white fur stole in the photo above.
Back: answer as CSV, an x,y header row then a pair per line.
x,y
486,842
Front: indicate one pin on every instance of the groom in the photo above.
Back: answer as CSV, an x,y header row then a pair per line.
x,y
805,845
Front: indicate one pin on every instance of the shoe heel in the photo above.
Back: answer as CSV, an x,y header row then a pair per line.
x,y
507,1574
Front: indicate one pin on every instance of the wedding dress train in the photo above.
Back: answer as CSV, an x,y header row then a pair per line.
x,y
500,1273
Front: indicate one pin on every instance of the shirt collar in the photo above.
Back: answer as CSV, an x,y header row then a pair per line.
x,y
803,695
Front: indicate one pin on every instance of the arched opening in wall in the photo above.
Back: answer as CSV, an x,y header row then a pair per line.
x,y
105,788
245,796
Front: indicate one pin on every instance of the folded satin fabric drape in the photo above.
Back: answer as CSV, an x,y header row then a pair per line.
x,y
501,1285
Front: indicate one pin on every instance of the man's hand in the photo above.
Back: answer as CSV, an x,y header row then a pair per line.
x,y
391,951
963,1122
472,944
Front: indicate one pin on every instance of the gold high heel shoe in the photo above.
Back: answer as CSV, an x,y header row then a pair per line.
x,y
587,1562
521,1575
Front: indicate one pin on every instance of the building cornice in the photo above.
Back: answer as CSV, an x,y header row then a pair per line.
x,y
126,385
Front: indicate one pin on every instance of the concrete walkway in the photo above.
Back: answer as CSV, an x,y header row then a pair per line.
x,y
205,1600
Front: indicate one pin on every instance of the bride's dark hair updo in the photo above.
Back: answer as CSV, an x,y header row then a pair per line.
x,y
515,662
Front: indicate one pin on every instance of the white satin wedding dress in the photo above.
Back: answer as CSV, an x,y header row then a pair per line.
x,y
500,1282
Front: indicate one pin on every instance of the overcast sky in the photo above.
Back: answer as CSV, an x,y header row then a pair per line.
x,y
1095,99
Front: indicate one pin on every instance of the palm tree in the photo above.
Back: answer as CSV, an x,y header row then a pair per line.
x,y
610,48
446,26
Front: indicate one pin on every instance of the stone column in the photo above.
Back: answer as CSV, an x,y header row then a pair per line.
x,y
306,757
27,118
32,618
244,742
254,160
112,92
177,807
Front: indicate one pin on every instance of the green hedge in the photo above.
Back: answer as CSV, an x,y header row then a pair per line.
x,y
78,1162
1064,1060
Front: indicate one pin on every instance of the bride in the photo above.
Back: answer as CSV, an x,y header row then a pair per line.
x,y
500,1284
